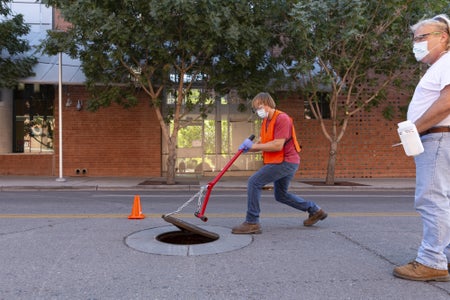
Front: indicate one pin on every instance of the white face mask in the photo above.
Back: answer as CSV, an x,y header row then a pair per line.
x,y
262,113
420,50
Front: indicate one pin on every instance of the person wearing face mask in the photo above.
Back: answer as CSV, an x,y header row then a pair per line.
x,y
429,110
280,149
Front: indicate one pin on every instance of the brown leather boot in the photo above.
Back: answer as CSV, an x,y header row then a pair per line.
x,y
417,271
247,228
314,218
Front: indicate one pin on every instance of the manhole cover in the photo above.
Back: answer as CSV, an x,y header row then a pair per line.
x,y
184,238
148,241
190,228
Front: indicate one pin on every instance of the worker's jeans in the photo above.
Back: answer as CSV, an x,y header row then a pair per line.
x,y
432,200
281,175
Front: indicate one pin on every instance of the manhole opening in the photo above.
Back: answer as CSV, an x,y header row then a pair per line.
x,y
184,238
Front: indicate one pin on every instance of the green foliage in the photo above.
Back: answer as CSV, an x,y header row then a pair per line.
x,y
104,95
14,64
388,112
168,46
165,44
352,48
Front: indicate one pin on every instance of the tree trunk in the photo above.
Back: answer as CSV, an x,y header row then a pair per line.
x,y
331,163
171,161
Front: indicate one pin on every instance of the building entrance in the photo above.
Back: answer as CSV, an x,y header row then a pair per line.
x,y
206,145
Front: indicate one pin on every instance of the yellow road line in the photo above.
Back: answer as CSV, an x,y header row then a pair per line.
x,y
212,215
61,216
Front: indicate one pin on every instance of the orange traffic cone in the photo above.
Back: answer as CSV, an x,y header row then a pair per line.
x,y
136,211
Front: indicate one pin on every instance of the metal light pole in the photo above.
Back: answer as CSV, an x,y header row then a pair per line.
x,y
60,178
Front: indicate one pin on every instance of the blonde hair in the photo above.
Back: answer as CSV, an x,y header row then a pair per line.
x,y
440,22
263,99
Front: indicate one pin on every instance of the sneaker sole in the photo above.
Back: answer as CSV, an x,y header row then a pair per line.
x,y
439,279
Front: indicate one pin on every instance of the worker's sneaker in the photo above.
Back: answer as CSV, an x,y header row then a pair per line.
x,y
417,271
316,217
247,228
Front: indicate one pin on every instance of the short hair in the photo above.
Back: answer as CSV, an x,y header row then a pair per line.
x,y
440,22
263,98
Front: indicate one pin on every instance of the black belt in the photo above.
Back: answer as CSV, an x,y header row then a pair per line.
x,y
436,130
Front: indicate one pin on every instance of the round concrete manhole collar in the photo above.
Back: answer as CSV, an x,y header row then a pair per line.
x,y
147,241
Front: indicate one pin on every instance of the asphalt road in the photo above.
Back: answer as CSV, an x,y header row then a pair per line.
x,y
71,245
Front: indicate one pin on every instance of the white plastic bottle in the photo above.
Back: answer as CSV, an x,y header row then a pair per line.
x,y
410,138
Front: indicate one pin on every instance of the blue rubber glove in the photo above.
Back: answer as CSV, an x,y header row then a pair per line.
x,y
246,145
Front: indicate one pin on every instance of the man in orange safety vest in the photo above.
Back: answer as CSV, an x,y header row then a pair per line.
x,y
280,150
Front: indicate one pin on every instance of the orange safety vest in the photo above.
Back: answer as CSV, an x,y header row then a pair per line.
x,y
267,135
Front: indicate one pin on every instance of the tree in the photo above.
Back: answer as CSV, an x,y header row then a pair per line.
x,y
14,63
352,51
167,46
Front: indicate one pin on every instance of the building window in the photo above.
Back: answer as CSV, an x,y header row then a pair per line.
x,y
323,105
33,121
206,144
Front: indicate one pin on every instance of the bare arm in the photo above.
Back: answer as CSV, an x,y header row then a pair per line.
x,y
436,113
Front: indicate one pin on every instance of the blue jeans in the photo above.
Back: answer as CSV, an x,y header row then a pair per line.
x,y
281,175
432,200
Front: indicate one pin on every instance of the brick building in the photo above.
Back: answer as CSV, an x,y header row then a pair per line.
x,y
128,142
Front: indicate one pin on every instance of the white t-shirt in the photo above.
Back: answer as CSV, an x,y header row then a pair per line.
x,y
428,90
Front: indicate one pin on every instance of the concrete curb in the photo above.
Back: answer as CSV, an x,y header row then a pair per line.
x,y
29,183
189,188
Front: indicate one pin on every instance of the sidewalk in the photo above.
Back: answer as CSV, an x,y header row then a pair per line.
x,y
190,183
